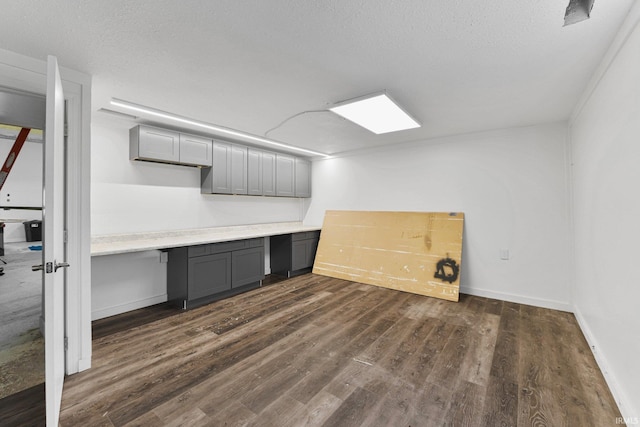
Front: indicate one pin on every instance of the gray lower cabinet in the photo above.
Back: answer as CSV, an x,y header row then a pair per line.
x,y
247,266
293,254
200,274
209,274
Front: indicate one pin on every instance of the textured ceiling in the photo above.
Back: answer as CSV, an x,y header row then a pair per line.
x,y
457,65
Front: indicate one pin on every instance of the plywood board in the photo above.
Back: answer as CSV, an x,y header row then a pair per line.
x,y
418,252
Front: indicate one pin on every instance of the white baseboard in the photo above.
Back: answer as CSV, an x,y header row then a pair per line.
x,y
520,299
624,403
123,308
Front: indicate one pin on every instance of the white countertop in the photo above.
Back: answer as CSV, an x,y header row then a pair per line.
x,y
136,242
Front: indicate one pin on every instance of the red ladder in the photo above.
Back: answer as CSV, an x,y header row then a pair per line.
x,y
13,154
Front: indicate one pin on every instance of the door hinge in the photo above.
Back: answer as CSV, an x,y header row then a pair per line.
x,y
65,236
66,343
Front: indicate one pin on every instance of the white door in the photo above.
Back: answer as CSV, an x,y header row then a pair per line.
x,y
53,248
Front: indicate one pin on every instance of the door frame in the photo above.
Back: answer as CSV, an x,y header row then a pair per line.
x,y
28,74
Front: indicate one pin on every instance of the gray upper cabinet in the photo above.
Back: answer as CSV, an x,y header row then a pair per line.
x,y
149,143
285,175
261,173
195,150
268,174
238,169
254,173
227,168
217,179
228,175
303,178
161,145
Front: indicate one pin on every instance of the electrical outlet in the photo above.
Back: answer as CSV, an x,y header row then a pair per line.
x,y
504,254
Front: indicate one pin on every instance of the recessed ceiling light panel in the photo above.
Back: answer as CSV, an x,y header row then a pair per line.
x,y
377,113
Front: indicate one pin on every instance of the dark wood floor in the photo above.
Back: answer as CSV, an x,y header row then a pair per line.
x,y
24,408
319,351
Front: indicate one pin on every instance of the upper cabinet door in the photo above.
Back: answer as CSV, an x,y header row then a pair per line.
x,y
150,143
217,179
261,172
195,150
268,173
285,176
254,172
238,169
303,178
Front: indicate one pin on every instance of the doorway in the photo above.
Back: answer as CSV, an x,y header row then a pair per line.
x,y
29,75
21,344
22,362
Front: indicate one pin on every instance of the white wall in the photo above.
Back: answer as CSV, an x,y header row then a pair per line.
x,y
23,187
510,184
132,196
139,277
605,143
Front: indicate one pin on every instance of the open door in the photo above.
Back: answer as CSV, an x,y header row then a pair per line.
x,y
53,247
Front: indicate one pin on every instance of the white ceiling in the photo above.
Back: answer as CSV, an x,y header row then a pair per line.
x,y
456,65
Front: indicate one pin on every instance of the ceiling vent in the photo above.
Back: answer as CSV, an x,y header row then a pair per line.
x,y
577,11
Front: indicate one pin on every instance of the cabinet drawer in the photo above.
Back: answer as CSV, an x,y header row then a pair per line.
x,y
216,248
305,235
298,236
255,243
198,250
313,234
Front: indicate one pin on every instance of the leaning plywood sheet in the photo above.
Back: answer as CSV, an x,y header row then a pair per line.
x,y
418,252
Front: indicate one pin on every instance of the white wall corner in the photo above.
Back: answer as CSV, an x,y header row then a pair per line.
x,y
625,406
627,27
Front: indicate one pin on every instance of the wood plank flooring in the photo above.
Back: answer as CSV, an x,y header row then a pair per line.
x,y
318,351
24,408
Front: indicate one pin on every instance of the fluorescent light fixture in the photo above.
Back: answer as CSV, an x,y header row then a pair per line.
x,y
377,113
218,129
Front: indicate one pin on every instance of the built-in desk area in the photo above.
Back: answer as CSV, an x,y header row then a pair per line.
x,y
207,264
